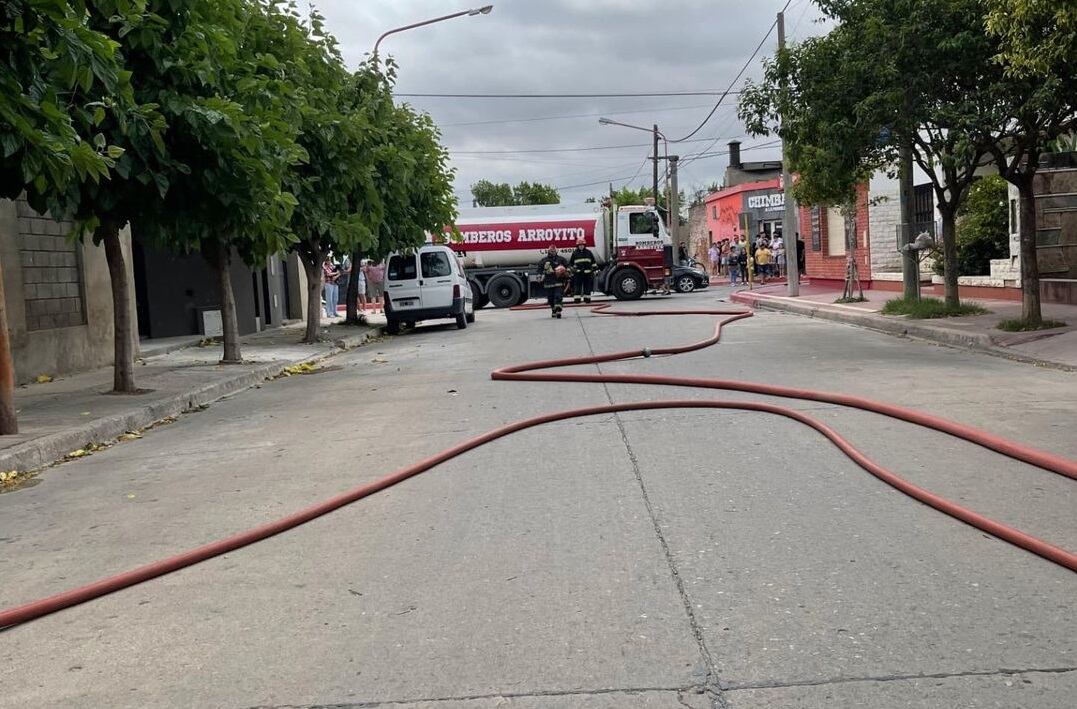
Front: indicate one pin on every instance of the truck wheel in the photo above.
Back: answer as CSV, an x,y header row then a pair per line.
x,y
628,284
503,291
479,299
392,326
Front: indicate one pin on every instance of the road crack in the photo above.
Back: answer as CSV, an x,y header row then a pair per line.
x,y
711,682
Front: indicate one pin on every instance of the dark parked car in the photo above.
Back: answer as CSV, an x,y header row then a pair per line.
x,y
689,278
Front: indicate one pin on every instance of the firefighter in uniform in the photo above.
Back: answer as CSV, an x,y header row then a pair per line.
x,y
583,271
554,270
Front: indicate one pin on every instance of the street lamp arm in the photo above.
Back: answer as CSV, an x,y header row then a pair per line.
x,y
484,10
611,122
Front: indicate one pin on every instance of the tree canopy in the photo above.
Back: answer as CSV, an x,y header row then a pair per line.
x,y
502,194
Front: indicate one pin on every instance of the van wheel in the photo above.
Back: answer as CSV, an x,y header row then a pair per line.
x,y
503,291
470,317
461,320
628,284
392,326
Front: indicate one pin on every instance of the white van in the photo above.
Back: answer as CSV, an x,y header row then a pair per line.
x,y
426,284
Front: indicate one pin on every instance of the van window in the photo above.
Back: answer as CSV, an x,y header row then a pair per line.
x,y
435,264
401,268
640,223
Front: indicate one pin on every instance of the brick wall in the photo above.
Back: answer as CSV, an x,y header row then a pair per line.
x,y
52,272
818,264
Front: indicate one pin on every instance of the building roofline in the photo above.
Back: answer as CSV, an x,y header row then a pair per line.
x,y
747,186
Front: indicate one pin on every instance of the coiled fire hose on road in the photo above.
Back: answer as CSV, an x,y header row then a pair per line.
x,y
533,371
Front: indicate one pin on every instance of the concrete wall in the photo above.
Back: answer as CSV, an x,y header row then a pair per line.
x,y
698,241
174,290
58,295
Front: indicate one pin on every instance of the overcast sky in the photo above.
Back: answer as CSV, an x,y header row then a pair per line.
x,y
572,46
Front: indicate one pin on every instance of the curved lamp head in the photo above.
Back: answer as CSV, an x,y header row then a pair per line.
x,y
484,10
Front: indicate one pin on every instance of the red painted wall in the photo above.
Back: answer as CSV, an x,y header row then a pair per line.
x,y
820,265
724,208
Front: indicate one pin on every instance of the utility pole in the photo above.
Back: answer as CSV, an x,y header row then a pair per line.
x,y
789,219
654,181
910,276
674,202
9,424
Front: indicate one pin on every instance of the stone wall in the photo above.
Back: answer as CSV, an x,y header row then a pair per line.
x,y
884,216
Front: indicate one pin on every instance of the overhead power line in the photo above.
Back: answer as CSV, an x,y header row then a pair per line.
x,y
626,95
736,78
561,150
532,119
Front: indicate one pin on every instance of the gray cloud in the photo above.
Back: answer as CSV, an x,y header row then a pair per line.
x,y
570,46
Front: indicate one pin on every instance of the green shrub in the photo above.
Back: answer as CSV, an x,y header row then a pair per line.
x,y
927,308
1018,325
983,227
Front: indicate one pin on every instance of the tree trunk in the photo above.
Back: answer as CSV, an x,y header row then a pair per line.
x,y
229,321
123,367
9,424
949,257
314,297
352,297
1030,268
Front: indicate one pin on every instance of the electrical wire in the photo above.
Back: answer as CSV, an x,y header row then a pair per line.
x,y
736,78
561,150
626,95
534,119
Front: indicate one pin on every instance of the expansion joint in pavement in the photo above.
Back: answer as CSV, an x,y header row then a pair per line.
x,y
538,693
711,682
733,687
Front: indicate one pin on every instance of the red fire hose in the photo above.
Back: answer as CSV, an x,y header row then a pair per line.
x,y
529,372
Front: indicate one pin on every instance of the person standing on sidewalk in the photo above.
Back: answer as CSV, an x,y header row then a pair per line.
x,y
554,270
762,259
375,284
732,263
330,276
582,263
714,254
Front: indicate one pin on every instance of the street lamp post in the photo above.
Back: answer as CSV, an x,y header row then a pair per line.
x,y
484,10
657,134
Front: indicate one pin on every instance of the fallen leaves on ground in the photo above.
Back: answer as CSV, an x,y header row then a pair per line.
x,y
43,379
301,368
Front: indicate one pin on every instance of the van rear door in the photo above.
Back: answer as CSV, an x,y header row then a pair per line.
x,y
402,282
437,280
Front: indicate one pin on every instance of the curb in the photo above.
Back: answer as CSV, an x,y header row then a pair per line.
x,y
46,450
979,342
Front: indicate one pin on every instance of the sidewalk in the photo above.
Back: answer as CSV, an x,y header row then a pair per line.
x,y
75,411
1056,347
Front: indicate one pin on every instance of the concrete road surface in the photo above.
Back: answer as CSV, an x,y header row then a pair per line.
x,y
658,559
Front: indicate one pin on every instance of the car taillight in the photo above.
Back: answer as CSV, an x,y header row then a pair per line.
x,y
456,291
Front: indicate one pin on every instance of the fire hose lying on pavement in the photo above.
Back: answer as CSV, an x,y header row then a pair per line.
x,y
534,371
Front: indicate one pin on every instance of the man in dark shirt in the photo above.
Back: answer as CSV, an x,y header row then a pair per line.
x,y
554,270
583,265
800,255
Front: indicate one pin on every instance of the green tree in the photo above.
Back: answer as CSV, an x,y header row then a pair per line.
x,y
535,193
414,181
1033,109
235,147
982,227
53,68
1037,36
490,194
891,74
